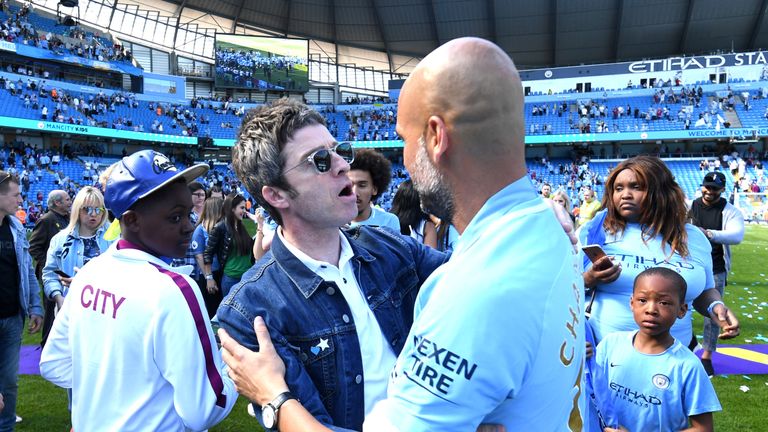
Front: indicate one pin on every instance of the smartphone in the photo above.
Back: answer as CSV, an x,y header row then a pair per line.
x,y
593,252
61,273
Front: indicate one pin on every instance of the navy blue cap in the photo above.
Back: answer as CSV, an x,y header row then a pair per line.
x,y
140,174
714,179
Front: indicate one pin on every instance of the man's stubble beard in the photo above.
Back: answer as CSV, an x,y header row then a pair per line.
x,y
436,197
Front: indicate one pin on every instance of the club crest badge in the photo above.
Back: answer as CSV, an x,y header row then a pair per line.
x,y
660,381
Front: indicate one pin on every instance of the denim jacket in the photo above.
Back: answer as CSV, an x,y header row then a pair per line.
x,y
300,309
29,290
65,253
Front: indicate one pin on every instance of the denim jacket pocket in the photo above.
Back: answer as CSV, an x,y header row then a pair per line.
x,y
318,357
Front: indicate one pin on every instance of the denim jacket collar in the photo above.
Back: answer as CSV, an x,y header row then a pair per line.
x,y
307,281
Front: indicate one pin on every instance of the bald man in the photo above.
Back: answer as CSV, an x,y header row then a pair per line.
x,y
498,333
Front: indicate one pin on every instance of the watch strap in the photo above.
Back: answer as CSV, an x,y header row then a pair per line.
x,y
282,398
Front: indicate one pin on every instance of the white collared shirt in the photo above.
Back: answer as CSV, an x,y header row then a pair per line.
x,y
378,357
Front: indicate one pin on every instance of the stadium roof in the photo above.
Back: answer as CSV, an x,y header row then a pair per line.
x,y
536,33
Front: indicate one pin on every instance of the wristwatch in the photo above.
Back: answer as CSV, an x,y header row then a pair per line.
x,y
269,411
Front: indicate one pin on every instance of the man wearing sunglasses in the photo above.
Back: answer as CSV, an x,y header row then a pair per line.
x,y
53,221
339,303
19,295
498,332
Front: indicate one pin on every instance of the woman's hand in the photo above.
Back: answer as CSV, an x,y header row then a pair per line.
x,y
590,351
259,376
211,286
603,271
67,281
726,319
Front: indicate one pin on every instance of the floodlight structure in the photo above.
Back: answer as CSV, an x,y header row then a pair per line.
x,y
68,20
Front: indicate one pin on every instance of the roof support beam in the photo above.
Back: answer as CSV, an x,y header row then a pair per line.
x,y
112,14
178,22
433,20
237,16
686,27
555,57
619,25
758,24
384,39
287,24
490,6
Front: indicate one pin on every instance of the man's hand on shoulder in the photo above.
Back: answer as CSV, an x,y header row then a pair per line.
x,y
565,220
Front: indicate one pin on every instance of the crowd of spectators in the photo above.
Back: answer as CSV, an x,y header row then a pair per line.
x,y
17,28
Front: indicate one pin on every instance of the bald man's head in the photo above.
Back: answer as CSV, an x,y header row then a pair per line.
x,y
475,88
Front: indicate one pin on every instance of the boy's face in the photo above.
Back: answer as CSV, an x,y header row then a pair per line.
x,y
161,225
656,304
362,186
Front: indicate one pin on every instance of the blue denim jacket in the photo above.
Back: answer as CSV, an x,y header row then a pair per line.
x,y
65,253
300,308
29,290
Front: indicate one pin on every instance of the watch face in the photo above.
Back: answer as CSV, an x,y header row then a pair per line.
x,y
268,416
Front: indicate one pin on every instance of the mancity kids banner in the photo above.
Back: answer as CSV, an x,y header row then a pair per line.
x,y
44,126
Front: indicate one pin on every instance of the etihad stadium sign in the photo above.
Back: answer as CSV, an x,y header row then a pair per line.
x,y
698,62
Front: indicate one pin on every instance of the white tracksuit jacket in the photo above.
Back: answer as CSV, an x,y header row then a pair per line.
x,y
134,343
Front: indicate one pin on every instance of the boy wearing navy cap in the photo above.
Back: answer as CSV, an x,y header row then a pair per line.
x,y
132,339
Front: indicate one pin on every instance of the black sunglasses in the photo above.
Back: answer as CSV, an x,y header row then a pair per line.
x,y
321,159
7,176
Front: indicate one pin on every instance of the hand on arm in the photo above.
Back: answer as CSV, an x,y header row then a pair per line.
x,y
259,376
564,219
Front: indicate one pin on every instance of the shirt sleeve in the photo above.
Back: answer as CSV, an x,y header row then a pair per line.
x,y
51,281
198,240
203,394
733,227
56,358
699,395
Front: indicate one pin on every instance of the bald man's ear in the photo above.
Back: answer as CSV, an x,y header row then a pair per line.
x,y
437,139
276,197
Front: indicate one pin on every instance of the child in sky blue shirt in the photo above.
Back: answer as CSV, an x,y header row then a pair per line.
x,y
646,380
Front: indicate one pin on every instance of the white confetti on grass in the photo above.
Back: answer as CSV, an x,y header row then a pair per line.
x,y
744,388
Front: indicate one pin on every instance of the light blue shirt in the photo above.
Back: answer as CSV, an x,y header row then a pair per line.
x,y
651,392
610,311
380,217
498,335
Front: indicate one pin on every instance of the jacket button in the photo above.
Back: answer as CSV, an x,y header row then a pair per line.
x,y
330,291
358,379
345,317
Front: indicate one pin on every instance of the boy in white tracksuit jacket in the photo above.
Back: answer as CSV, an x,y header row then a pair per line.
x,y
132,339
